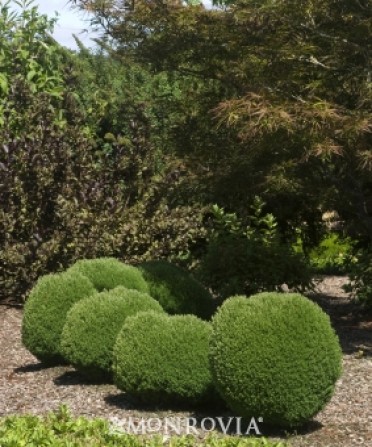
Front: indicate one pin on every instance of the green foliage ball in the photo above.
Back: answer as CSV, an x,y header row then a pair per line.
x,y
93,324
274,356
176,290
45,312
108,273
164,359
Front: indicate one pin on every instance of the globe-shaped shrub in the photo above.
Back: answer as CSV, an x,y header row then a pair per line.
x,y
163,359
93,324
176,290
274,356
108,273
45,312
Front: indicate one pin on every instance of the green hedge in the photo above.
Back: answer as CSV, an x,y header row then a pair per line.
x,y
93,324
164,359
46,309
176,290
276,356
108,273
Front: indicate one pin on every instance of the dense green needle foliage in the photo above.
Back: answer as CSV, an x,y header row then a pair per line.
x,y
108,273
46,309
163,359
93,324
176,290
274,355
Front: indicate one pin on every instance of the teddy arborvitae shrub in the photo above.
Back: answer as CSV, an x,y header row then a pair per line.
x,y
274,356
162,359
93,324
45,312
108,273
176,290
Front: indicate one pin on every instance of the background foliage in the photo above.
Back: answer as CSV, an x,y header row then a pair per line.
x,y
67,191
123,151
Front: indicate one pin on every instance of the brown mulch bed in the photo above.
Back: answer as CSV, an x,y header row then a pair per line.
x,y
26,386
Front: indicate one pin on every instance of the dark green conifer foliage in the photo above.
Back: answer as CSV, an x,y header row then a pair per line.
x,y
176,290
275,356
46,309
92,326
108,273
163,359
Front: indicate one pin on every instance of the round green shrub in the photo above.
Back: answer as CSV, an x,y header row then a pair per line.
x,y
176,290
93,324
163,359
45,312
274,356
108,273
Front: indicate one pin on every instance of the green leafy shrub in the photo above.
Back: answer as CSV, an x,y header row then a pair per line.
x,y
332,255
274,355
235,265
176,290
248,258
60,429
46,309
164,359
93,324
65,193
361,277
108,273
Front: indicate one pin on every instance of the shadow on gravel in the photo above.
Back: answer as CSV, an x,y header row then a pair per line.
x,y
69,378
129,402
32,367
352,324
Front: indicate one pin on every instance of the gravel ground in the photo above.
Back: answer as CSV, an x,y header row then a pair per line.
x,y
28,387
